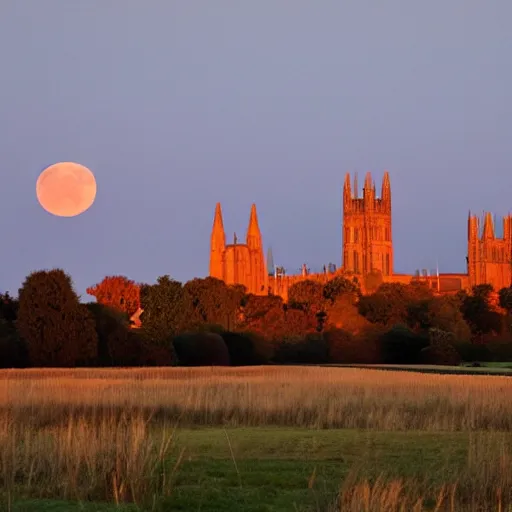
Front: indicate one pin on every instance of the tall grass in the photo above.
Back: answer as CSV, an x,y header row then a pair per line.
x,y
105,435
264,396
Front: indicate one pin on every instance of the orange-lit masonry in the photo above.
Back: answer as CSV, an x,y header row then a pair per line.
x,y
367,249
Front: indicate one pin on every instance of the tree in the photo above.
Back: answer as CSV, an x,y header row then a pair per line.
x,y
339,286
117,292
477,312
441,349
164,309
211,301
344,314
444,313
372,281
58,330
505,299
306,295
400,345
116,344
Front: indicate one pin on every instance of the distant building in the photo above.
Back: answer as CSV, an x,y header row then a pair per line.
x,y
367,249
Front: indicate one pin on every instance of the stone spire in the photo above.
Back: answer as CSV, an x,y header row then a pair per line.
x,y
347,192
369,192
386,192
488,231
217,245
253,238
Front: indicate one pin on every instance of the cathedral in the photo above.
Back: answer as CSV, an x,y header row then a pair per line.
x,y
367,250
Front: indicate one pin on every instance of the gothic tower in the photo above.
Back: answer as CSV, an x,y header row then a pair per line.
x,y
367,233
239,263
489,257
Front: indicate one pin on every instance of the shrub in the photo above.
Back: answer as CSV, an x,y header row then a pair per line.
x,y
242,348
311,350
348,348
441,350
201,349
471,353
400,345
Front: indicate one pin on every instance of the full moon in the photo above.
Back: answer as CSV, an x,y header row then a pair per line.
x,y
66,189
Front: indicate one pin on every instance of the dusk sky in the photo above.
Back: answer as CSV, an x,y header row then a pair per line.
x,y
175,105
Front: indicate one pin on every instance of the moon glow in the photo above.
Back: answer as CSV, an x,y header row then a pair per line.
x,y
66,189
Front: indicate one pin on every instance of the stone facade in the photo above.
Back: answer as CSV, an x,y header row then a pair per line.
x,y
239,263
367,249
367,230
489,257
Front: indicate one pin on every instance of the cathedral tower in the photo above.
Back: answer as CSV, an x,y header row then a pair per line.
x,y
489,257
367,233
238,263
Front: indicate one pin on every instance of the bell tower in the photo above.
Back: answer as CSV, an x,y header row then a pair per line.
x,y
367,227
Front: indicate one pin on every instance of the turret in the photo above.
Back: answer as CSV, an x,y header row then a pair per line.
x,y
386,193
368,193
507,228
217,245
347,193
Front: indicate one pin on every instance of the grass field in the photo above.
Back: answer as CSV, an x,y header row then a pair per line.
x,y
256,439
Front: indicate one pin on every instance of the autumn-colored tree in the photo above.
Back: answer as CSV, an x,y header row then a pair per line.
x,y
306,295
117,292
339,286
263,316
372,281
58,330
344,314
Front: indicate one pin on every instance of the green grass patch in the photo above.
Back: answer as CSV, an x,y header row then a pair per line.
x,y
277,469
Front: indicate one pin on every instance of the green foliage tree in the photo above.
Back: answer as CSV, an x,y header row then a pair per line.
x,y
505,299
116,344
58,330
401,345
164,310
478,313
441,349
211,301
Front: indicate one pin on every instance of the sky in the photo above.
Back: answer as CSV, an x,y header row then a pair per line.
x,y
176,105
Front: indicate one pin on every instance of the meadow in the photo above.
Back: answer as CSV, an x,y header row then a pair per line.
x,y
258,439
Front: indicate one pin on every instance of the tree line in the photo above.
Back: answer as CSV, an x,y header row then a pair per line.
x,y
206,322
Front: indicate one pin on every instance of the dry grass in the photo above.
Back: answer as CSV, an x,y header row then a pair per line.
x,y
292,396
86,434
